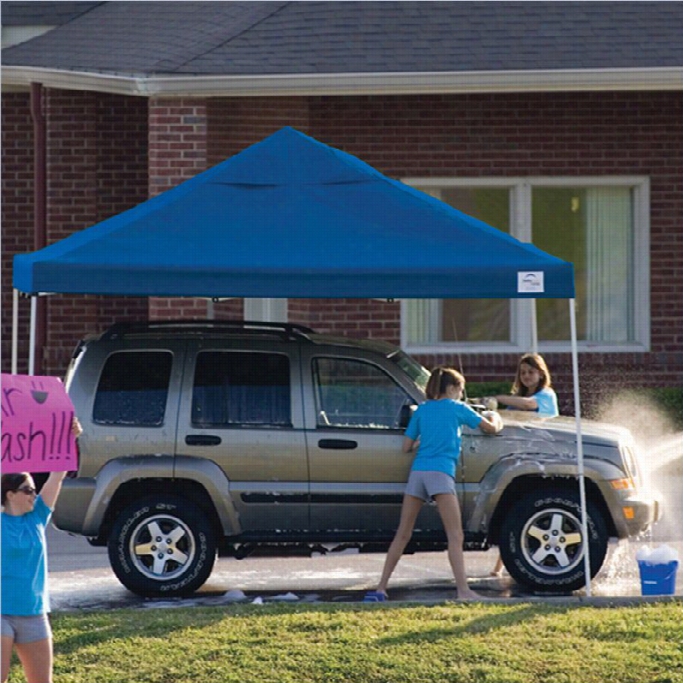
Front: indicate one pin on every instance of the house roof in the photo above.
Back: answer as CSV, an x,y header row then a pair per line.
x,y
177,47
42,13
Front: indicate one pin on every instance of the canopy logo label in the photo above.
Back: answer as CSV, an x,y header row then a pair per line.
x,y
530,282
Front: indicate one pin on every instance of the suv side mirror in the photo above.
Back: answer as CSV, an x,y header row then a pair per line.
x,y
405,415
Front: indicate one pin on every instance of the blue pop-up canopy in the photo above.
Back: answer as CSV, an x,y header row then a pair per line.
x,y
292,217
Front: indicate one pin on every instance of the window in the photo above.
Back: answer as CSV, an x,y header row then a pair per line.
x,y
133,389
352,393
232,389
598,224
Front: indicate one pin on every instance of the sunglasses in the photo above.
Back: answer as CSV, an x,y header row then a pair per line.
x,y
28,490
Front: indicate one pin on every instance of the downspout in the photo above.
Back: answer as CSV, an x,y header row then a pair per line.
x,y
39,212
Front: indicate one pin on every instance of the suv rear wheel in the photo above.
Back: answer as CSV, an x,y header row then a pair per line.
x,y
542,545
162,546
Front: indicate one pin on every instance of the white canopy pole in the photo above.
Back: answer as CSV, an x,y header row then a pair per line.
x,y
534,327
15,331
32,336
579,447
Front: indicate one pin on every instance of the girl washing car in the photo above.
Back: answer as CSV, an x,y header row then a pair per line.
x,y
435,429
532,390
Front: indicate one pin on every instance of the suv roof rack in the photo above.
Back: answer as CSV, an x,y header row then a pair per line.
x,y
288,330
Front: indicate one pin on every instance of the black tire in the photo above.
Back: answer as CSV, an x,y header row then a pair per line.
x,y
541,543
162,546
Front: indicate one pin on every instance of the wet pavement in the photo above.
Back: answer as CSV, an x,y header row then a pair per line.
x,y
80,578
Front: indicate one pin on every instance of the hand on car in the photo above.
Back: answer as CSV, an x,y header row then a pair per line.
x,y
495,418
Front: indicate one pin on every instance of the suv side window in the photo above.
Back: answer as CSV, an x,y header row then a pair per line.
x,y
352,393
233,388
133,389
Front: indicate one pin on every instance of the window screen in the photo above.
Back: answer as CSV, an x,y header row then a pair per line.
x,y
241,388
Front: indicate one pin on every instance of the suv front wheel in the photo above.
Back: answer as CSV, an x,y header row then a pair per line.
x,y
542,545
162,546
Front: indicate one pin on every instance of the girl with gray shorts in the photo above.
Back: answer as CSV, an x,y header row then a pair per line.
x,y
25,600
435,429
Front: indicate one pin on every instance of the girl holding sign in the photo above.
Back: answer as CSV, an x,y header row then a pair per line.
x,y
25,599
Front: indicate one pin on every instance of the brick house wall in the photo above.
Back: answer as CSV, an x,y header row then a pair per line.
x,y
96,151
476,135
17,208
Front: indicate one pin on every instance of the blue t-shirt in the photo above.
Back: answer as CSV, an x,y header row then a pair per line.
x,y
24,562
547,403
438,426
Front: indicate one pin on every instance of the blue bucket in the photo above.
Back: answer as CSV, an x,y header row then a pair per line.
x,y
658,579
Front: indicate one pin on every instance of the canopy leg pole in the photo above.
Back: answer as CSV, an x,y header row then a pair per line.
x,y
32,336
15,331
579,447
534,327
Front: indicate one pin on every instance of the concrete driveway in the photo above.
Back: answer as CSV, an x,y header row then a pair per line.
x,y
81,578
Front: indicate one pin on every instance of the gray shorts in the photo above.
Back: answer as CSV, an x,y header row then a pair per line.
x,y
426,485
26,629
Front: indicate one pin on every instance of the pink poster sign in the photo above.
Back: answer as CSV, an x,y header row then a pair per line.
x,y
36,425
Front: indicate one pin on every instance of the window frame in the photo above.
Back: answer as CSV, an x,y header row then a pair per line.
x,y
522,311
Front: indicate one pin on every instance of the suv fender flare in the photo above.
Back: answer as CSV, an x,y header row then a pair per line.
x,y
497,479
209,475
119,471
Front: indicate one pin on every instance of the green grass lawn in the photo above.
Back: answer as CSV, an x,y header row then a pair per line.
x,y
459,642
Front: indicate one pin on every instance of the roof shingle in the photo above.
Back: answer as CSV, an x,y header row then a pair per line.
x,y
271,38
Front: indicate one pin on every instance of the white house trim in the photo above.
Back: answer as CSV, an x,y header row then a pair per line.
x,y
446,82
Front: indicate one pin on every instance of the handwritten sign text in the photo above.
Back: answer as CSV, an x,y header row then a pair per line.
x,y
36,425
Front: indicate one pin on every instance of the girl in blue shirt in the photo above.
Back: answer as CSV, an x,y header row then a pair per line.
x,y
533,391
435,429
25,599
533,388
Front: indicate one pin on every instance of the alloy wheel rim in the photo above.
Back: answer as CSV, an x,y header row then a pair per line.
x,y
552,542
162,547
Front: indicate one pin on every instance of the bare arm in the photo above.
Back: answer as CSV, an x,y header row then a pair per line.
x,y
518,402
51,488
408,444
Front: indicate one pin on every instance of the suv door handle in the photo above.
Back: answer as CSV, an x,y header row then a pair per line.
x,y
338,444
202,440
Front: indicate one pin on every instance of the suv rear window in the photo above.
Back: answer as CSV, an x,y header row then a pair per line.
x,y
241,388
133,389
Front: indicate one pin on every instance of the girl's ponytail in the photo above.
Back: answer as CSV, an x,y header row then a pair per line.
x,y
442,378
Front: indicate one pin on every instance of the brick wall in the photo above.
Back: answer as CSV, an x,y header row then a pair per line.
x,y
177,152
475,135
360,318
96,149
234,124
17,210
